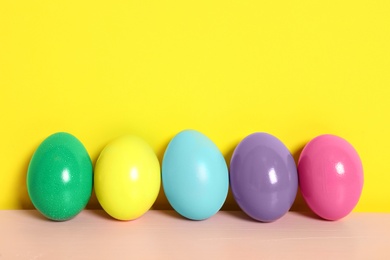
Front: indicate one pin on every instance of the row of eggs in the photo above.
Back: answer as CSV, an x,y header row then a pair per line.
x,y
127,177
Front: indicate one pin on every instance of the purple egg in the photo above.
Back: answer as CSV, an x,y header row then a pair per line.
x,y
263,177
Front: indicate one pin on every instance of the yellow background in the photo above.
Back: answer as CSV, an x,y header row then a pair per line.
x,y
101,69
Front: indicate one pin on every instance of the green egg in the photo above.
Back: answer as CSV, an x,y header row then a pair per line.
x,y
60,177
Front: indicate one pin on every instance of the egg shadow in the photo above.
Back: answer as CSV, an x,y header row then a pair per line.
x,y
299,206
101,214
35,214
239,214
161,202
24,198
93,202
230,203
309,214
173,214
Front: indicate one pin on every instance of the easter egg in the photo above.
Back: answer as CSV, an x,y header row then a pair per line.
x,y
60,177
330,176
263,177
194,175
127,178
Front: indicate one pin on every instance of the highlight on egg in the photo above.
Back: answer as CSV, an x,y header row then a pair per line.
x,y
127,178
194,175
59,177
330,176
263,177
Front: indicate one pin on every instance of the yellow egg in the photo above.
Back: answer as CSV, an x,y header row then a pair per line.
x,y
127,178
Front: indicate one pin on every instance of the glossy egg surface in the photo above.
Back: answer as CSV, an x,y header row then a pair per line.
x,y
194,175
60,177
330,176
263,177
127,177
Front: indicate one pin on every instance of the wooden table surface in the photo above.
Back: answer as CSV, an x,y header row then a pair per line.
x,y
25,234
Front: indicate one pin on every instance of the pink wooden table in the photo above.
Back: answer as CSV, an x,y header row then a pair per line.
x,y
25,234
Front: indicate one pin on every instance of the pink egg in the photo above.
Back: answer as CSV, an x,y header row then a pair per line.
x,y
330,176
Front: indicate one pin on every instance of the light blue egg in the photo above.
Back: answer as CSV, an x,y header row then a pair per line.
x,y
194,175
